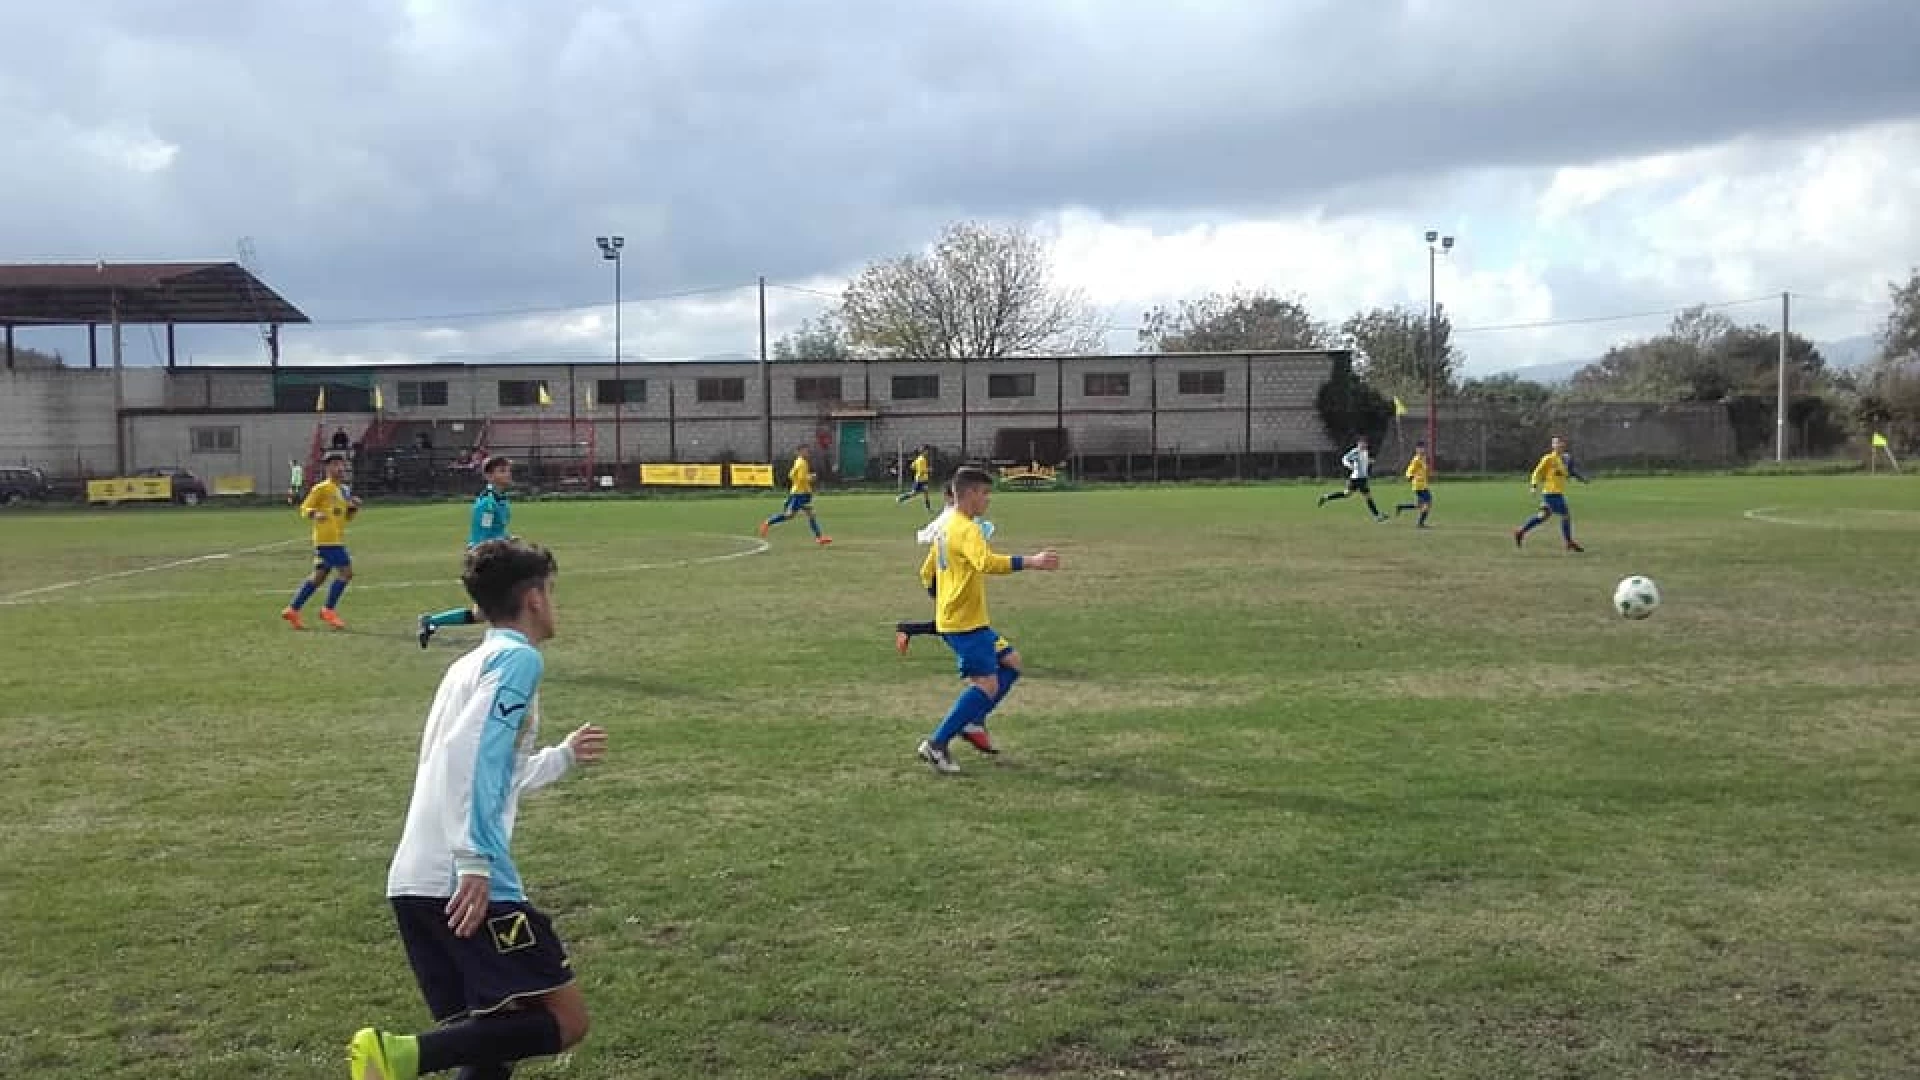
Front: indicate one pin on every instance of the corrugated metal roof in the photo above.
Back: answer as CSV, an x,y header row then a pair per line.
x,y
73,294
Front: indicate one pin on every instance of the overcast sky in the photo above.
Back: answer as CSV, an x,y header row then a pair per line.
x,y
435,159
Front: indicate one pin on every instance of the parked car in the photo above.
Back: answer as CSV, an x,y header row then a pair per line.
x,y
187,487
18,483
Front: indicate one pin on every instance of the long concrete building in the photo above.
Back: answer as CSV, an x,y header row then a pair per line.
x,y
1117,412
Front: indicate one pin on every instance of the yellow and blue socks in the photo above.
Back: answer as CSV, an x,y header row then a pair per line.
x,y
970,707
333,593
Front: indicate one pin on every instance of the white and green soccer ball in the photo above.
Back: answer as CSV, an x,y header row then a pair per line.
x,y
1636,597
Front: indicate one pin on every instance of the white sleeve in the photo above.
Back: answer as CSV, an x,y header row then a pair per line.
x,y
544,768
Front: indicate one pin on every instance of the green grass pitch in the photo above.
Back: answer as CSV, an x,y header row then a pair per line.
x,y
1286,793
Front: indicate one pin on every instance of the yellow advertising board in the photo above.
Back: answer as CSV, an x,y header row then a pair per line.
x,y
682,475
237,484
751,475
130,489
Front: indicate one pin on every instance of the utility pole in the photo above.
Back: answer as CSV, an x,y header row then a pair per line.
x,y
1780,405
766,381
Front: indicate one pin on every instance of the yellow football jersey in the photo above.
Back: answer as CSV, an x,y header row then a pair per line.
x,y
1417,472
958,562
330,529
1550,476
800,477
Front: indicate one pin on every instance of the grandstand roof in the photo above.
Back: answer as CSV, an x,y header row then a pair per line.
x,y
74,294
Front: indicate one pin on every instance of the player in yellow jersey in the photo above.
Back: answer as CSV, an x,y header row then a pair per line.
x,y
1419,474
1549,479
922,473
799,498
957,566
329,506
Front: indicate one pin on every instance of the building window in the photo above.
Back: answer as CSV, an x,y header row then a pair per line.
x,y
415,395
519,392
620,392
1107,384
816,388
916,387
1203,382
216,440
1010,386
720,390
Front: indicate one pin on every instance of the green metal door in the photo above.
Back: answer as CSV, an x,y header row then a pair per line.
x,y
853,448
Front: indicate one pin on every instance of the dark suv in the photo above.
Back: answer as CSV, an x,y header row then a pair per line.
x,y
19,483
187,487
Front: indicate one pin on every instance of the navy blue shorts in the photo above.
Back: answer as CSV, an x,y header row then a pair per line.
x,y
513,955
1556,504
331,557
919,487
979,651
796,503
1358,485
1423,497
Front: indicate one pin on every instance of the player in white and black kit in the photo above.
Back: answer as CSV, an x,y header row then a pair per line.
x,y
494,974
1359,465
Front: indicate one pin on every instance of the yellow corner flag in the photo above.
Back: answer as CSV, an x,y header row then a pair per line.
x,y
545,398
1399,407
377,403
320,403
1879,441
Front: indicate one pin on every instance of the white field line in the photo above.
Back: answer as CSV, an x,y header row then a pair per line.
x,y
757,546
60,586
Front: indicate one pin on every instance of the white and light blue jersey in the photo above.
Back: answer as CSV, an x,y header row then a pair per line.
x,y
476,761
932,530
1359,463
490,516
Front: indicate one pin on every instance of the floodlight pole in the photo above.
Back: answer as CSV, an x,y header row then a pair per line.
x,y
1433,341
610,250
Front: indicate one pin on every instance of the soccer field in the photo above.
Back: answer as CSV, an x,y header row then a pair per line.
x,y
1285,793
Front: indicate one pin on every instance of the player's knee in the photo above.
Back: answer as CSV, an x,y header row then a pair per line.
x,y
1011,660
570,1016
986,684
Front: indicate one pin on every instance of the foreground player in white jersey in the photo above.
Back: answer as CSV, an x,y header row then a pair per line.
x,y
1359,463
493,973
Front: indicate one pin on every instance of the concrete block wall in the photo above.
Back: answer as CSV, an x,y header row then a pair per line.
x,y
66,414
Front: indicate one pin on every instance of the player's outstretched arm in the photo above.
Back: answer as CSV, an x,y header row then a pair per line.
x,y
585,746
1044,560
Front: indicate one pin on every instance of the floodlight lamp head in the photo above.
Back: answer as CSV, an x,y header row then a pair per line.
x,y
1446,243
1432,236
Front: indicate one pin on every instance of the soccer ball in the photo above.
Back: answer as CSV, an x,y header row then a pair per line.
x,y
1636,597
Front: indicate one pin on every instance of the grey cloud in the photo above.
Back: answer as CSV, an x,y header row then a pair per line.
x,y
465,163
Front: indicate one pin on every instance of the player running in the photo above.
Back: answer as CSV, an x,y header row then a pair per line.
x,y
1418,474
329,506
799,498
956,567
494,974
922,473
491,514
1359,463
1549,480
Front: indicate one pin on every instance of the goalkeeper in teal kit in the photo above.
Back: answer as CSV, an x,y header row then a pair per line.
x,y
491,513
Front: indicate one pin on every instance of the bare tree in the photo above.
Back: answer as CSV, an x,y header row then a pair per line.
x,y
1234,322
979,292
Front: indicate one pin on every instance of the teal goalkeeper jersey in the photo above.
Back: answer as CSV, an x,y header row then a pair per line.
x,y
490,517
